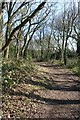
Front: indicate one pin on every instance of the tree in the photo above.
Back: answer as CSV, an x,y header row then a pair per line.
x,y
63,29
33,26
10,34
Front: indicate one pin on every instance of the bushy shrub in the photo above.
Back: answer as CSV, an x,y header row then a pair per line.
x,y
13,72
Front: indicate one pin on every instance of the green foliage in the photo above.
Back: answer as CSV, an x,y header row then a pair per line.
x,y
29,58
78,66
8,83
74,66
72,62
14,70
12,51
75,70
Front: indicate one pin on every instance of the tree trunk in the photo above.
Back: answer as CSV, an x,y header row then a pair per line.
x,y
62,54
63,42
25,46
41,52
18,49
62,50
41,45
65,57
6,53
24,54
78,42
65,53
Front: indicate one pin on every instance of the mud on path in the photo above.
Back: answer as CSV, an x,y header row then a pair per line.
x,y
53,92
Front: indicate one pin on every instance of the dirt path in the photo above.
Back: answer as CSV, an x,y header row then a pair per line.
x,y
53,92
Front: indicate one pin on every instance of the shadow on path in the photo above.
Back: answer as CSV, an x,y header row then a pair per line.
x,y
54,86
43,100
56,66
